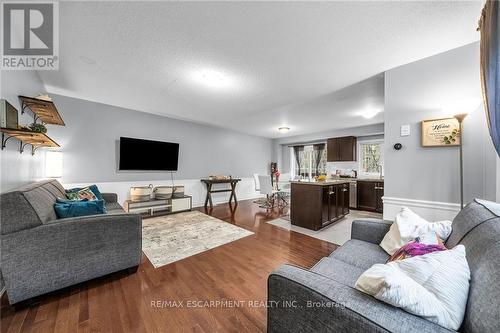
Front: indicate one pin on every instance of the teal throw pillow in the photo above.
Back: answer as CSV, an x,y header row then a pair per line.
x,y
74,208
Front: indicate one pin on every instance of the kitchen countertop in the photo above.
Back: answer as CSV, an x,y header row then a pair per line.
x,y
339,181
367,179
325,183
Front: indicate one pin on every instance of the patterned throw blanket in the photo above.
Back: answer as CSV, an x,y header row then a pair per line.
x,y
414,249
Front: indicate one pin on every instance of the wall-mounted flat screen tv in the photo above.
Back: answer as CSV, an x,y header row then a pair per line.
x,y
148,155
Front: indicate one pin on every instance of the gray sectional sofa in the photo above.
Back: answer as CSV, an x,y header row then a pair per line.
x,y
323,299
41,253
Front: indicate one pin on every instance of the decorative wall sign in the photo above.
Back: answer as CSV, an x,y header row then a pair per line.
x,y
442,132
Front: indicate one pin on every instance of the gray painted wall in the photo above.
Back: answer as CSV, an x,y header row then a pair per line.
x,y
439,86
90,142
281,152
18,169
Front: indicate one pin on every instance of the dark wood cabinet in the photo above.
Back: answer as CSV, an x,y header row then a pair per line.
x,y
332,150
379,193
316,205
341,149
346,199
370,195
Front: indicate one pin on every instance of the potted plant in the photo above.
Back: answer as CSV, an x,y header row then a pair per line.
x,y
39,128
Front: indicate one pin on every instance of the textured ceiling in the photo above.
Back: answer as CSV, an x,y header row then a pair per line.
x,y
289,63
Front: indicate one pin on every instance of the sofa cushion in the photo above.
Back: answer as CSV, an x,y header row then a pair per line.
x,y
360,254
93,188
483,254
54,187
408,226
114,208
338,270
42,200
434,286
478,229
42,196
467,219
16,213
84,193
30,205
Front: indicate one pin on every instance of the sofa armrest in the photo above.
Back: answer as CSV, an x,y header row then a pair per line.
x,y
370,231
64,252
304,301
110,197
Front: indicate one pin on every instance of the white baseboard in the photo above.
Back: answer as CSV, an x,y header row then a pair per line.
x,y
429,210
245,189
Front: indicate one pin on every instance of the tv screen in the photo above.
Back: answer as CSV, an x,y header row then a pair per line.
x,y
137,154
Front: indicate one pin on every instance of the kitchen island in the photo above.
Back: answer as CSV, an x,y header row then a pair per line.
x,y
314,205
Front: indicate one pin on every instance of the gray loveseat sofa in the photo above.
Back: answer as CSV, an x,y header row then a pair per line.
x,y
323,299
41,253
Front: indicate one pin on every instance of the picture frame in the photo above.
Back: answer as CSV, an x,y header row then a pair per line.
x,y
441,132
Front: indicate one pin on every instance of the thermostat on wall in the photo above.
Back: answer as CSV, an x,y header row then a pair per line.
x,y
405,130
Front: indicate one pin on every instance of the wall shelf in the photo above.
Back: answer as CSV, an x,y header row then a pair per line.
x,y
26,137
43,110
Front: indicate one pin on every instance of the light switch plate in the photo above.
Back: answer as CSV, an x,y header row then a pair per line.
x,y
405,130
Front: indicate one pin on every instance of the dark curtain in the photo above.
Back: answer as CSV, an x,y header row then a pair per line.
x,y
297,150
318,151
490,67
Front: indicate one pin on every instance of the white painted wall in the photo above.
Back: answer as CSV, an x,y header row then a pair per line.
x,y
18,169
89,143
439,86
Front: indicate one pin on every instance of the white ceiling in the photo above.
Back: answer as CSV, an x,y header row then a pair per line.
x,y
291,63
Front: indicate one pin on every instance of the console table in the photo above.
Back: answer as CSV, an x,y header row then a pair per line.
x,y
209,182
156,207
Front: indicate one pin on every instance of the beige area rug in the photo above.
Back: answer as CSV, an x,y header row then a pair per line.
x,y
337,233
170,238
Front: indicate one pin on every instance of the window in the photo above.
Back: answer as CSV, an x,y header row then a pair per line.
x,y
308,161
370,158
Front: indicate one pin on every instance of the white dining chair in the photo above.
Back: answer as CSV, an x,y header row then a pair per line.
x,y
284,187
284,182
267,188
261,201
256,182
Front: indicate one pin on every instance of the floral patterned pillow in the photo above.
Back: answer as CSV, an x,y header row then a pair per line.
x,y
84,193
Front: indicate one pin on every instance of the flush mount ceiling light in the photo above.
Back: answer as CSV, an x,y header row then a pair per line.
x,y
370,113
283,129
213,78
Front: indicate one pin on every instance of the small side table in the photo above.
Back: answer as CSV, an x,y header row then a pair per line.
x,y
209,182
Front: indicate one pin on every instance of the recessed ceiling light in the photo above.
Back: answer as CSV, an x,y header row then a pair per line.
x,y
212,78
283,129
370,113
87,60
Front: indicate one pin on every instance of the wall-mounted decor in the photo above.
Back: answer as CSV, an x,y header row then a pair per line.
x,y
34,135
442,132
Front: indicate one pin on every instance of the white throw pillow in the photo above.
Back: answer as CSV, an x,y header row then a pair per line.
x,y
434,286
407,226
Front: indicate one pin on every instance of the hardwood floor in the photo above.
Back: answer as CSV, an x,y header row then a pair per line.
x,y
139,302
